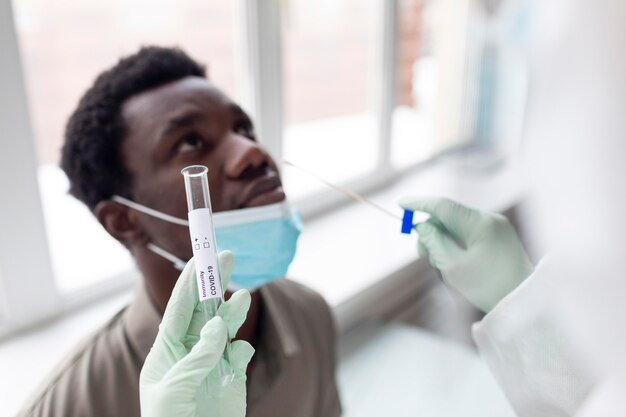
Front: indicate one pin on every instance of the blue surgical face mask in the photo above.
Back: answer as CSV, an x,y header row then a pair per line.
x,y
263,240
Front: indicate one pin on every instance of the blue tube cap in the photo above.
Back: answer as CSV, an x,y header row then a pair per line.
x,y
407,222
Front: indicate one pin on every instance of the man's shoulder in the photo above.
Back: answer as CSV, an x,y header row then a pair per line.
x,y
303,307
298,295
77,386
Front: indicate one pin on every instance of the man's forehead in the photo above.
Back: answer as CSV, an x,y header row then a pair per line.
x,y
170,98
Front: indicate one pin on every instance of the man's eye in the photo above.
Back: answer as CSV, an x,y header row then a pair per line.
x,y
244,129
189,143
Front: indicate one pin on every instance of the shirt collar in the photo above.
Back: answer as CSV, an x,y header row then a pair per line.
x,y
283,336
141,320
277,344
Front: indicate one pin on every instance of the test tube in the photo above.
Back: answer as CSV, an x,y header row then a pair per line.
x,y
202,234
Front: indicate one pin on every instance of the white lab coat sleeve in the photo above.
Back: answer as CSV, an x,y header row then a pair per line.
x,y
528,353
606,399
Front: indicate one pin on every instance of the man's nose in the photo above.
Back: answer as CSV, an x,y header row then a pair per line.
x,y
245,158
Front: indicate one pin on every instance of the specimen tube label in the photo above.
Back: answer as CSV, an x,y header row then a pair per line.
x,y
205,254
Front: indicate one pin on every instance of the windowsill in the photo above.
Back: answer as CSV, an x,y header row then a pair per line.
x,y
336,246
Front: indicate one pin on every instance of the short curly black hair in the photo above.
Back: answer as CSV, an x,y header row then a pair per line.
x,y
90,155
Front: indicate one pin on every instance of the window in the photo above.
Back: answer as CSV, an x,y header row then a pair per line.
x,y
355,90
330,123
430,112
416,83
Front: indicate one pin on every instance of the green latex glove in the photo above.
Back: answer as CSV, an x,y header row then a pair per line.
x,y
477,253
186,352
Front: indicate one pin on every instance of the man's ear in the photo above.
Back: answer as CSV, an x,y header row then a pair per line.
x,y
120,221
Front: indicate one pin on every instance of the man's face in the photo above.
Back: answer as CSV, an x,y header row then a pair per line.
x,y
189,122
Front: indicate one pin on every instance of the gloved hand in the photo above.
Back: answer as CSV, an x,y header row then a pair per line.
x,y
477,253
182,362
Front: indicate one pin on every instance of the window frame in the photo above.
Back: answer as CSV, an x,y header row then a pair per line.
x,y
22,221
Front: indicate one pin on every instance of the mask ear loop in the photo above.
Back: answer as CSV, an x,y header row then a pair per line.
x,y
150,212
178,263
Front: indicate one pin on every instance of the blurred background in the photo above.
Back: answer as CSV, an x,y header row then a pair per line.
x,y
386,98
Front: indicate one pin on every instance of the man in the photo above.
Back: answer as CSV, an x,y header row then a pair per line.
x,y
140,123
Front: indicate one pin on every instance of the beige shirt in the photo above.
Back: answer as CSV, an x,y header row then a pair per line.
x,y
293,372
